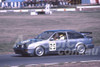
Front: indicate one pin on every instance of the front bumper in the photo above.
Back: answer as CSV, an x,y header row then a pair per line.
x,y
20,51
23,51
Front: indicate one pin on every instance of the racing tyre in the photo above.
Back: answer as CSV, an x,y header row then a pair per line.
x,y
39,51
81,49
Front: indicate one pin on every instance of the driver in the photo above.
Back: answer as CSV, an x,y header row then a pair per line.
x,y
61,37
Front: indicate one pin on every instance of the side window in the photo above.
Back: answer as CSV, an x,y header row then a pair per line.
x,y
74,35
59,36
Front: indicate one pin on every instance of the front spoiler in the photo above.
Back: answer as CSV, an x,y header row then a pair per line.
x,y
23,51
20,51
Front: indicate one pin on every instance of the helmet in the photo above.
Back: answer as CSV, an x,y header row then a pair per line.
x,y
61,35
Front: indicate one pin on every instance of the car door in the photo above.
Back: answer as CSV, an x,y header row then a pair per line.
x,y
57,44
74,38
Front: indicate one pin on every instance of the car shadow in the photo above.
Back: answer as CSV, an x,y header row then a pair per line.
x,y
18,55
47,55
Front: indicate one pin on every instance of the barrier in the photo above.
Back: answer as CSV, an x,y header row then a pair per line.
x,y
85,7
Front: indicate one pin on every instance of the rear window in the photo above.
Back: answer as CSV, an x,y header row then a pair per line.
x,y
74,35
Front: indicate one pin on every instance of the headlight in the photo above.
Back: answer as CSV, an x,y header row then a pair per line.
x,y
22,46
15,46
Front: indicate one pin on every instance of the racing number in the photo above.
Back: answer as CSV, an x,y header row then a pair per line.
x,y
52,46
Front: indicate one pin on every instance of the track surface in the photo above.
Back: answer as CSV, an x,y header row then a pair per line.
x,y
13,59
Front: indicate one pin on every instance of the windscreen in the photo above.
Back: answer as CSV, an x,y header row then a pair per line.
x,y
45,35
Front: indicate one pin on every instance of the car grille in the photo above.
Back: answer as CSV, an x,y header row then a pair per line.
x,y
25,45
19,46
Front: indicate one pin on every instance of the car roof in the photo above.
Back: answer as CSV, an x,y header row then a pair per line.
x,y
61,30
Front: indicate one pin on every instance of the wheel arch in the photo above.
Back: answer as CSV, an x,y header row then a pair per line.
x,y
79,43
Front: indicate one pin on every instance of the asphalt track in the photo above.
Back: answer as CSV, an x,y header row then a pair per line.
x,y
15,60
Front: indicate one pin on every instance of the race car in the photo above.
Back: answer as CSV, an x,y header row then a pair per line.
x,y
55,41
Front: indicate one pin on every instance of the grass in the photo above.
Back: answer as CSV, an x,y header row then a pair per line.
x,y
6,47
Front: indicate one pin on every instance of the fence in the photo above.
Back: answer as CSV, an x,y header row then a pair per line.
x,y
43,3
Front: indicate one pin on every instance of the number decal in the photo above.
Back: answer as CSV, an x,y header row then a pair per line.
x,y
52,46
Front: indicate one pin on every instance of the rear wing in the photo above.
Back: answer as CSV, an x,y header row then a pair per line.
x,y
86,34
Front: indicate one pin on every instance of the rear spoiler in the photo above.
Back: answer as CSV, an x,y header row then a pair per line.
x,y
86,33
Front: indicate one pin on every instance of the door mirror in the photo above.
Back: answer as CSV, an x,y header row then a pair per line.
x,y
51,39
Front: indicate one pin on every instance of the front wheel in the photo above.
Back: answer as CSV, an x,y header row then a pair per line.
x,y
81,49
39,51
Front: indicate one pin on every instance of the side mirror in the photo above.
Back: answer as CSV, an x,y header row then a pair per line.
x,y
51,39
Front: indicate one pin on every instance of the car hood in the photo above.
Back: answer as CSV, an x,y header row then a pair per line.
x,y
35,40
29,41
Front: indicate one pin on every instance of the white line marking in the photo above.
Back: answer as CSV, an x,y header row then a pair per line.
x,y
50,63
66,62
91,61
73,62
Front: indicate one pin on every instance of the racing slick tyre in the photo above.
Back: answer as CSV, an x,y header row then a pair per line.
x,y
39,51
81,49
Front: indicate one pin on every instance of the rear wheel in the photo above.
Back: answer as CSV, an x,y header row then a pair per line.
x,y
81,49
39,51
